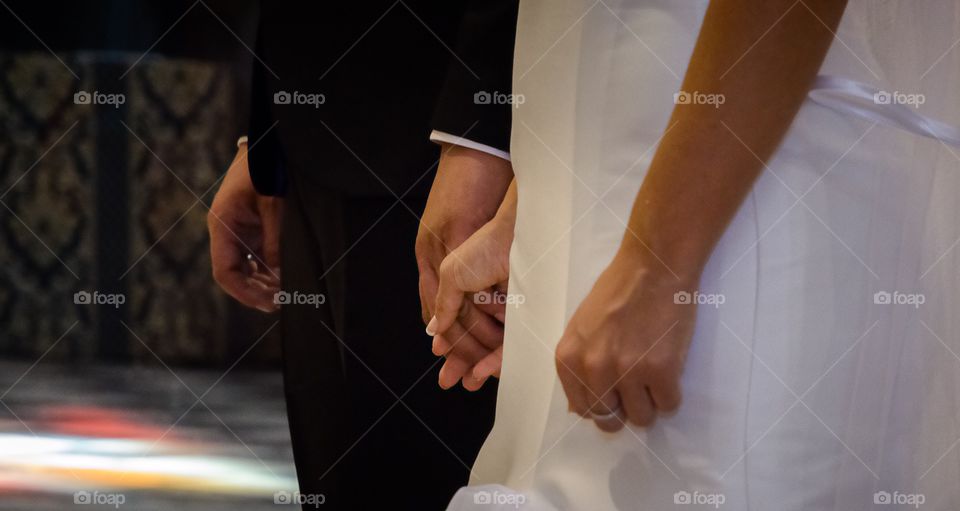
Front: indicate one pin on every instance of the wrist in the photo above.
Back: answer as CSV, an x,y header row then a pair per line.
x,y
503,226
639,262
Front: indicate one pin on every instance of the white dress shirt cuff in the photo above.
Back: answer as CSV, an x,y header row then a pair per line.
x,y
441,137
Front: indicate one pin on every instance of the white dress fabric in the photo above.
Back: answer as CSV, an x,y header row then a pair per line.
x,y
804,390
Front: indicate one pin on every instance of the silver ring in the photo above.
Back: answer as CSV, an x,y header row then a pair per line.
x,y
617,412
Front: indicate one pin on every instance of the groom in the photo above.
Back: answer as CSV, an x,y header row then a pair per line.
x,y
320,207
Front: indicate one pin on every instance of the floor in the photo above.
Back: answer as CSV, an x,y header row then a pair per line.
x,y
142,438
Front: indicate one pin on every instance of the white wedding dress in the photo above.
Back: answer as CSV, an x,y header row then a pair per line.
x,y
804,390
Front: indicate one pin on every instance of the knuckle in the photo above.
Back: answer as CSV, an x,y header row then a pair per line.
x,y
626,364
594,362
655,369
456,274
567,359
565,351
421,246
447,269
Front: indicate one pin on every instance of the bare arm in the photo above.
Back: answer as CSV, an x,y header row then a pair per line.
x,y
708,161
624,349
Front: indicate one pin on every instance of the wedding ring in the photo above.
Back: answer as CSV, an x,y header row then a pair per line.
x,y
611,421
616,412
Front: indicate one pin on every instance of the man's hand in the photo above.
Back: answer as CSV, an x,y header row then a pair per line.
x,y
243,222
466,193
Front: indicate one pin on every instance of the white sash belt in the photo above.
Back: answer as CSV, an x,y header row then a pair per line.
x,y
862,100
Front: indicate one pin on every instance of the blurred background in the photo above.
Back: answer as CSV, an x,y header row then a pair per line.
x,y
125,374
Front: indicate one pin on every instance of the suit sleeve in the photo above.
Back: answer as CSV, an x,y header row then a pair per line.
x,y
474,102
264,152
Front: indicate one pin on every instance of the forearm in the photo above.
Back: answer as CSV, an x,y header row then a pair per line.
x,y
711,154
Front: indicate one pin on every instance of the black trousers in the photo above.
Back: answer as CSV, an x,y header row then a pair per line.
x,y
371,429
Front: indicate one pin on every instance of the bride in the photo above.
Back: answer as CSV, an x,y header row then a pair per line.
x,y
734,230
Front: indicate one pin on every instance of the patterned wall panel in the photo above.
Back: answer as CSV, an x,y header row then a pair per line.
x,y
47,159
115,204
177,110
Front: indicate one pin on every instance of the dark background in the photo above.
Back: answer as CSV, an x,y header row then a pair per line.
x,y
179,380
114,200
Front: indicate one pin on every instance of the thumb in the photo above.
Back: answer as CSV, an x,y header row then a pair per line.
x,y
473,266
449,298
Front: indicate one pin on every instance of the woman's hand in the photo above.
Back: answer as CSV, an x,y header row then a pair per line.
x,y
623,350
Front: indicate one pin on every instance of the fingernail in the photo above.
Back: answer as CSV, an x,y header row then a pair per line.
x,y
432,326
435,347
501,317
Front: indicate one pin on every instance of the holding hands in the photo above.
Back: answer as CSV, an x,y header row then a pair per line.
x,y
480,264
622,353
469,188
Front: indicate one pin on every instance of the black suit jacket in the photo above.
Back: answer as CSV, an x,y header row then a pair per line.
x,y
388,73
